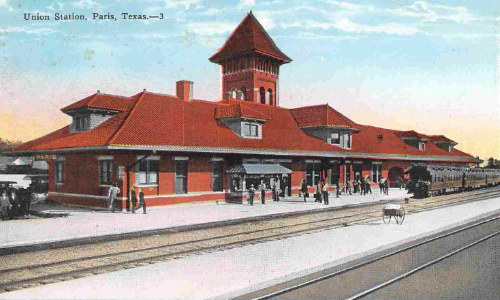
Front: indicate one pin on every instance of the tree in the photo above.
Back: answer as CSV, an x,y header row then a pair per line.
x,y
7,144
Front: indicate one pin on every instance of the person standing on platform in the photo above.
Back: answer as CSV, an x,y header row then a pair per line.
x,y
303,189
337,187
386,186
251,194
113,191
348,187
273,190
133,198
325,192
278,188
361,186
319,192
142,203
367,185
263,192
381,185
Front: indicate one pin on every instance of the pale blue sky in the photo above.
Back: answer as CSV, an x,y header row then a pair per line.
x,y
423,65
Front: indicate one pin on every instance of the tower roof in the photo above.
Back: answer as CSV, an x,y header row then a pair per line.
x,y
249,37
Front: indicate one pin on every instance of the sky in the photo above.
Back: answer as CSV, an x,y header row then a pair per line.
x,y
430,66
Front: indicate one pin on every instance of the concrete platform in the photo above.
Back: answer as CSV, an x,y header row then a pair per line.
x,y
86,225
230,273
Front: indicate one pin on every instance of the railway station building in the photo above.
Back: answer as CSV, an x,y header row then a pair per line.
x,y
180,149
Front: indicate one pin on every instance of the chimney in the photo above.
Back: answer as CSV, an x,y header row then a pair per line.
x,y
184,90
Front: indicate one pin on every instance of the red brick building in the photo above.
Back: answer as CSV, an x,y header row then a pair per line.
x,y
180,149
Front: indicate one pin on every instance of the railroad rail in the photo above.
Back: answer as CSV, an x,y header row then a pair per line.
x,y
379,259
18,271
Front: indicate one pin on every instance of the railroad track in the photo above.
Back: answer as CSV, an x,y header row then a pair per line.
x,y
331,278
18,271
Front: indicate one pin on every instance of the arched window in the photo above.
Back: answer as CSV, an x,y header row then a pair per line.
x,y
271,96
267,97
243,94
233,93
262,93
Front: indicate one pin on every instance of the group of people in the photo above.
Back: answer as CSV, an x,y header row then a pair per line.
x,y
276,190
321,194
361,186
15,202
114,191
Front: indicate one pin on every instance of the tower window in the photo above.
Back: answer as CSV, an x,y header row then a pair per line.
x,y
233,93
270,92
262,93
242,94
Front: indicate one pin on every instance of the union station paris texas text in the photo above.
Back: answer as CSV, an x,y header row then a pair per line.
x,y
180,149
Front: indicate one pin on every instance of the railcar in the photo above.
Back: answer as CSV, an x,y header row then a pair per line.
x,y
435,180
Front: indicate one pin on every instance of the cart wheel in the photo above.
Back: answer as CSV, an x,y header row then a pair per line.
x,y
400,217
386,219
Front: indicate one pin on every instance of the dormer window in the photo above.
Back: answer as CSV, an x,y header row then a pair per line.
x,y
81,123
341,139
251,130
450,148
421,146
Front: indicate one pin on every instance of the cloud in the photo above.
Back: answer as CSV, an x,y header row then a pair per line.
x,y
346,25
387,28
171,4
434,12
5,4
87,4
34,31
309,35
55,5
247,3
211,28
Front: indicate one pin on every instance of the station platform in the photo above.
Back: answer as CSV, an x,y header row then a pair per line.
x,y
234,272
88,224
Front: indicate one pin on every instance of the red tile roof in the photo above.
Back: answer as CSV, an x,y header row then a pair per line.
x,y
411,134
441,139
238,109
101,101
193,124
162,120
372,139
320,115
249,37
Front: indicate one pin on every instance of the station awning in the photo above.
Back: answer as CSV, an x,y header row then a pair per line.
x,y
262,169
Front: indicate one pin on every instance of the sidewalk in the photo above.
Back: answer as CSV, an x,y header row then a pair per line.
x,y
230,273
84,223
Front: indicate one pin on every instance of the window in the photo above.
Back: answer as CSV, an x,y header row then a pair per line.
x,y
105,171
312,173
181,169
262,95
250,129
81,123
270,94
334,172
450,148
217,176
60,171
335,138
147,172
347,141
376,171
341,139
421,146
